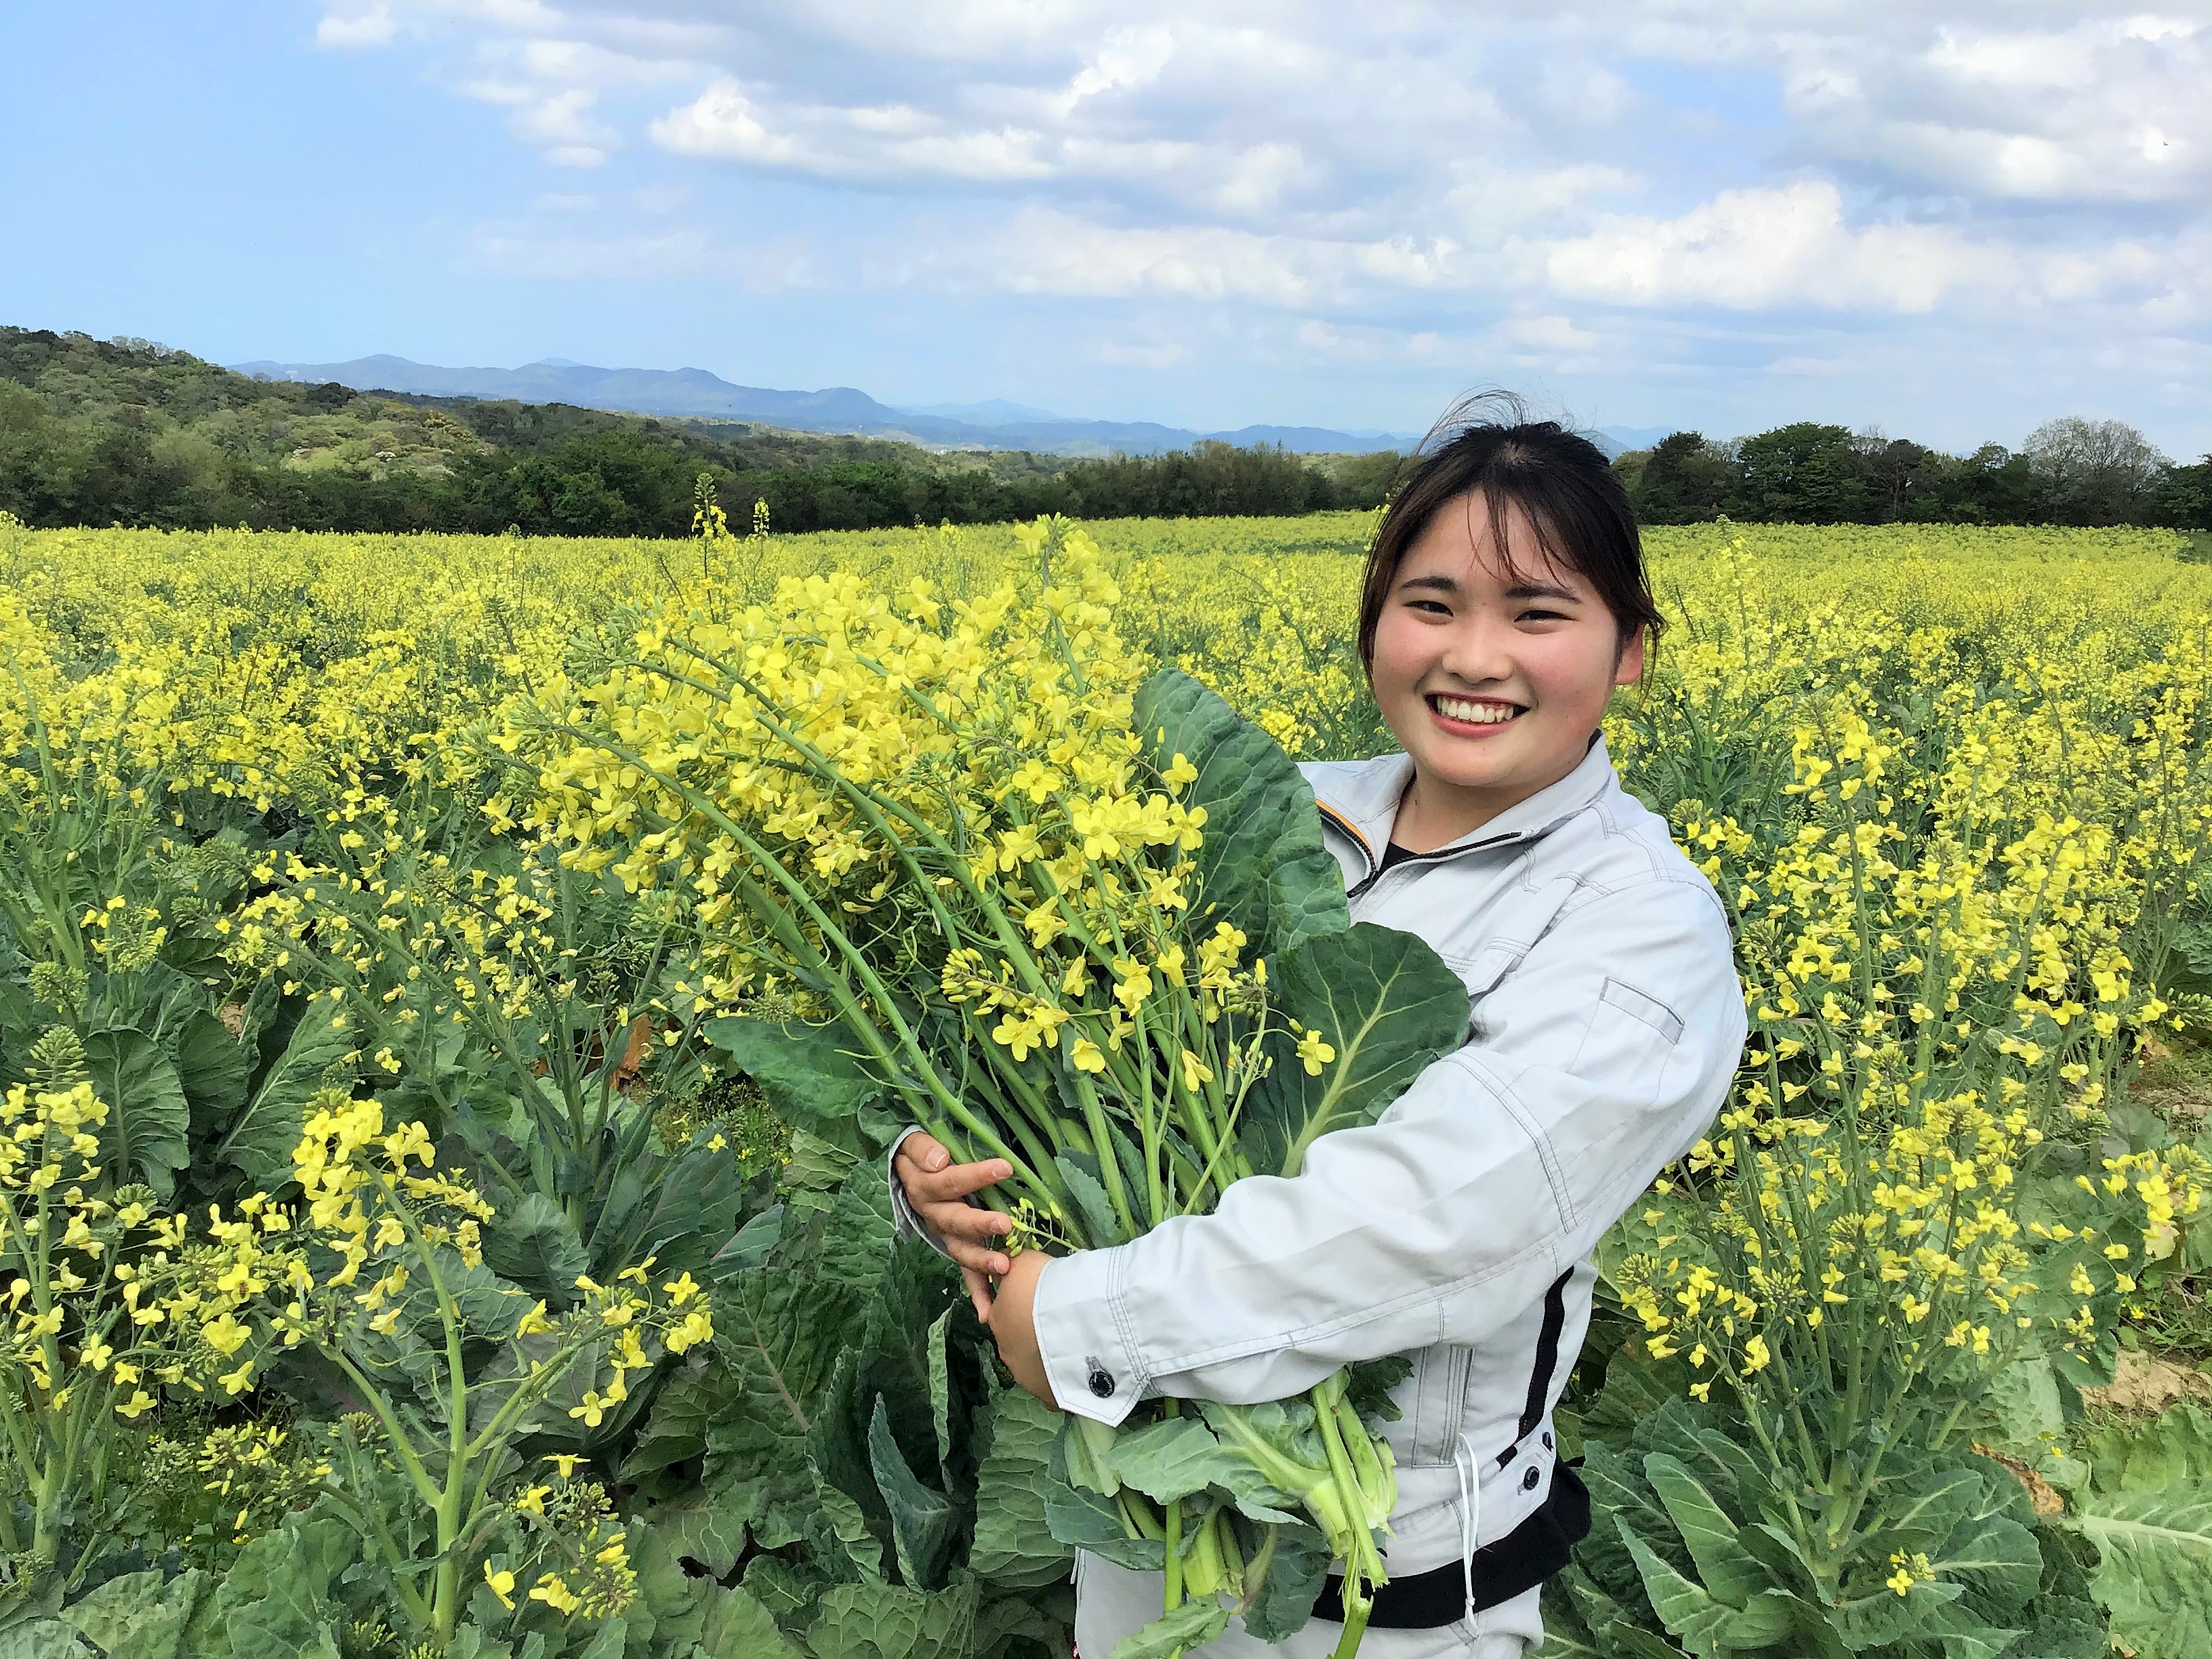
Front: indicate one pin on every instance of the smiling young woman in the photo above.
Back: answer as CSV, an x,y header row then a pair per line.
x,y
1504,600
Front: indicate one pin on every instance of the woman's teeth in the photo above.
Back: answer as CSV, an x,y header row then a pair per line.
x,y
1475,713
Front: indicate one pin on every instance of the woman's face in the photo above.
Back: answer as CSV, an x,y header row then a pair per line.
x,y
1493,683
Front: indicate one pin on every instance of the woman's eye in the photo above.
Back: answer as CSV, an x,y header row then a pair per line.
x,y
1543,616
1433,607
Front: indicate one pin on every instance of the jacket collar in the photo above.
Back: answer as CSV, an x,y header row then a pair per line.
x,y
1365,804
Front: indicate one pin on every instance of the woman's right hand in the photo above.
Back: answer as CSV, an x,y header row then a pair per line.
x,y
938,1190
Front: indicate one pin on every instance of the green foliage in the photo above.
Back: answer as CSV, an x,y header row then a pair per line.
x,y
1683,480
1262,864
1014,1545
144,1136
1803,473
686,1611
1387,1011
2147,1512
139,1615
259,1141
280,1596
2069,472
808,1076
1698,1547
122,432
847,1420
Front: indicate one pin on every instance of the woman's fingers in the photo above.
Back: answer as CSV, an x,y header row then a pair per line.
x,y
969,1235
951,1183
921,1149
939,1189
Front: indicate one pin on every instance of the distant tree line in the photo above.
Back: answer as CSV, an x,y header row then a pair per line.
x,y
2069,472
127,432
124,431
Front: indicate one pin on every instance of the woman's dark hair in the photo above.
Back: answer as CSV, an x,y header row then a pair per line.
x,y
1487,447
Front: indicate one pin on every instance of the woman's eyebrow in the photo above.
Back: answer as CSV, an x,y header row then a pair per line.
x,y
1442,584
1542,590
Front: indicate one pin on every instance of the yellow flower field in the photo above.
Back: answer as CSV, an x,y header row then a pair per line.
x,y
262,791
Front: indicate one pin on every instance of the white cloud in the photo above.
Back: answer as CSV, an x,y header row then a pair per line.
x,y
510,93
1045,252
1586,93
355,27
1299,105
1125,59
728,122
955,31
562,124
2097,108
1770,248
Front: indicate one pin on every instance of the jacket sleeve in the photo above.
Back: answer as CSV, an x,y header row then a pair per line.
x,y
1592,1064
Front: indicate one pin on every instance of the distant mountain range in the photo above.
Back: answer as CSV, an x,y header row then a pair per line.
x,y
697,394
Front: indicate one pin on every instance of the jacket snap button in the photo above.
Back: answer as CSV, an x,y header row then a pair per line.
x,y
1547,1440
1528,1480
1102,1381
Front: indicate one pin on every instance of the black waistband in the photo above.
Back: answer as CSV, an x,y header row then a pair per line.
x,y
1520,1561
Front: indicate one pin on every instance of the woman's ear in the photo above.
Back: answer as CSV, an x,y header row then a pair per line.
x,y
1628,666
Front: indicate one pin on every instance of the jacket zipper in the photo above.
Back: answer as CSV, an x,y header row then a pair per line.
x,y
1375,871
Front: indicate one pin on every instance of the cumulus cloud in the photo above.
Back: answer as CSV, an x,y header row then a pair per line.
x,y
1762,249
1046,252
2107,110
356,27
1752,249
1296,105
727,123
1412,184
563,125
896,144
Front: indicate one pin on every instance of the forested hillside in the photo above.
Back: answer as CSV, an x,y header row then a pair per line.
x,y
127,432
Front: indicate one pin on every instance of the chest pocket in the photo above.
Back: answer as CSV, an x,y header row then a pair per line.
x,y
1627,1041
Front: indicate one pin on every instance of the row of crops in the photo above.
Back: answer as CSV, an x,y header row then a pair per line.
x,y
430,1224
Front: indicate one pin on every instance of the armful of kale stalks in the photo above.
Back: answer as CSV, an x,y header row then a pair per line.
x,y
1055,911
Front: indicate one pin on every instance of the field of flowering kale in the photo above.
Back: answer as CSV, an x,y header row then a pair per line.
x,y
455,992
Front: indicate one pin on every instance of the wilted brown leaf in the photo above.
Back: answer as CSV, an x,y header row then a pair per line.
x,y
2040,1492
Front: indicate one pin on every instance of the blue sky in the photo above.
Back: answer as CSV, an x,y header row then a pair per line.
x,y
1950,221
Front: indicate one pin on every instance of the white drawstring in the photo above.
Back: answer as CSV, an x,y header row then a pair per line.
x,y
1467,1466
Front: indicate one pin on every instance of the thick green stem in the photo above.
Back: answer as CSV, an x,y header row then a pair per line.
x,y
1357,1611
1174,1554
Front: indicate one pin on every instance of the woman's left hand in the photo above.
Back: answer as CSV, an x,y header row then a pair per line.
x,y
1013,1324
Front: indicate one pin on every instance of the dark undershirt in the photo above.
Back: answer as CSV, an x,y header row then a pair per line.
x,y
1394,853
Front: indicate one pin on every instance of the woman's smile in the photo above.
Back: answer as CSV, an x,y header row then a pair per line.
x,y
1473,717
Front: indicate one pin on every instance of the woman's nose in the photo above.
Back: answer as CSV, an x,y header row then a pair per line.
x,y
1480,649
